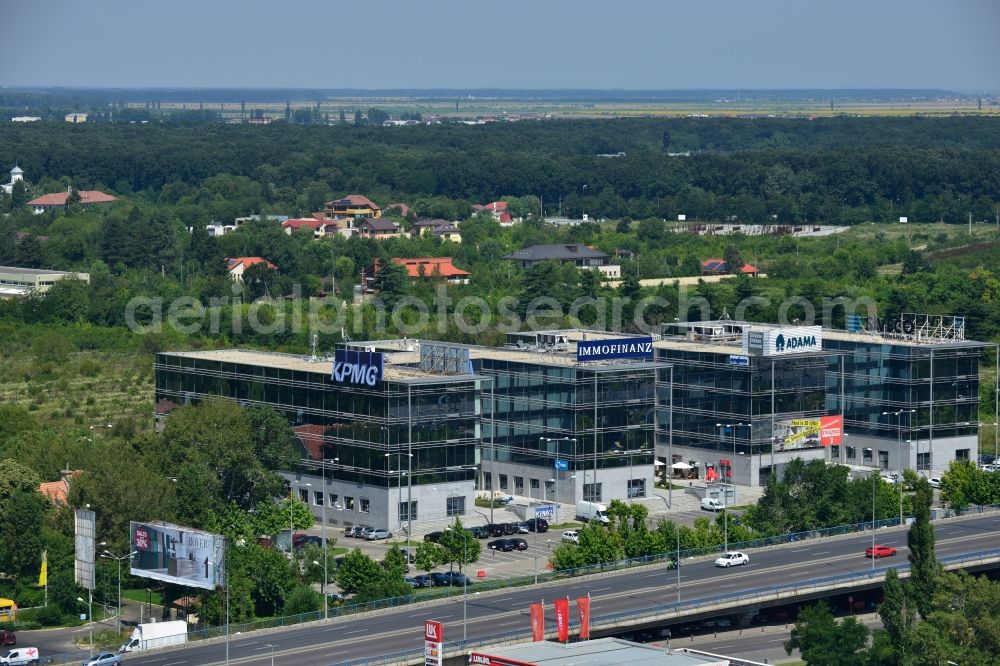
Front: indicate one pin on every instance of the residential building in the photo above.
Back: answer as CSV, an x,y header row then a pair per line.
x,y
401,208
719,267
76,117
498,209
437,228
16,174
377,229
238,265
434,267
355,206
319,227
25,119
240,221
580,256
57,492
58,201
16,281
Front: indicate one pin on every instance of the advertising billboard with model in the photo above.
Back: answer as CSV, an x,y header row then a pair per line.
x,y
176,554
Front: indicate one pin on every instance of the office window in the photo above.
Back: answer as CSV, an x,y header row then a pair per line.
x,y
636,488
317,498
334,500
924,460
404,516
304,495
348,503
503,482
534,486
518,485
866,456
883,459
364,506
592,492
852,453
456,506
962,454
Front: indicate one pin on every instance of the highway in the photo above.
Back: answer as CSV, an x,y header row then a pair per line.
x,y
352,638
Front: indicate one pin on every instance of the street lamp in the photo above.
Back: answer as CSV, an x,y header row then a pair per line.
x,y
111,556
556,467
326,500
268,645
874,481
399,476
90,618
732,480
899,453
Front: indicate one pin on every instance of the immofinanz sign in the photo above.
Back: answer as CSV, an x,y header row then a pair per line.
x,y
783,341
351,366
599,350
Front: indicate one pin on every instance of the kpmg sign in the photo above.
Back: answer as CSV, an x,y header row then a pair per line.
x,y
783,341
599,350
351,366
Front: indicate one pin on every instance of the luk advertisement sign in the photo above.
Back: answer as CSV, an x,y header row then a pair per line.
x,y
351,366
433,643
601,350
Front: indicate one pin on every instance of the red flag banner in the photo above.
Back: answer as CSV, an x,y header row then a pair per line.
x,y
562,618
583,606
537,622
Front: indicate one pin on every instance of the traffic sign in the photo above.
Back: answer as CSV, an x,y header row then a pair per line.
x,y
562,465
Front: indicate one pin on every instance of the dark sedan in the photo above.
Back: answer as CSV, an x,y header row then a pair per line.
x,y
518,543
505,545
441,578
537,524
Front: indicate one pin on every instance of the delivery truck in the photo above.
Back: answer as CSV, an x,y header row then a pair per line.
x,y
156,634
592,511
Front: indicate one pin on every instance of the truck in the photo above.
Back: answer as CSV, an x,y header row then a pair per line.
x,y
592,511
156,634
25,656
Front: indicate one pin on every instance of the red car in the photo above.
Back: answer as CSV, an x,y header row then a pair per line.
x,y
879,551
7,637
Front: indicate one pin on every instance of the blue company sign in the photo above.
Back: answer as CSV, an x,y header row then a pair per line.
x,y
599,350
545,511
351,366
739,360
562,465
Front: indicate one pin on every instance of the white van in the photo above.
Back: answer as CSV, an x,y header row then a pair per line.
x,y
20,657
712,504
592,511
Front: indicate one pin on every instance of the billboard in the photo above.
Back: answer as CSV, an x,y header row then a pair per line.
x,y
433,643
809,433
178,555
83,563
600,350
352,366
783,341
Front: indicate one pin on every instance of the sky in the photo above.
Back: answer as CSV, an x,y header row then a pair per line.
x,y
512,44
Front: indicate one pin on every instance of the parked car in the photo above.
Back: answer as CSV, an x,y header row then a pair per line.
x,y
409,555
522,528
537,525
441,578
20,657
496,530
378,533
509,528
306,540
934,481
890,478
433,537
421,580
879,551
732,559
480,531
411,581
104,659
335,597
573,536
504,545
7,637
366,531
519,543
460,579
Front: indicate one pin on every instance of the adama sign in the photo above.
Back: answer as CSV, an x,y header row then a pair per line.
x,y
599,350
351,366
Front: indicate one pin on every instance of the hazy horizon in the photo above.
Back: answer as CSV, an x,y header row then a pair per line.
x,y
642,45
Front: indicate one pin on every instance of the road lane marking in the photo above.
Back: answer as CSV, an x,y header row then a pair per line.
x,y
602,589
174,663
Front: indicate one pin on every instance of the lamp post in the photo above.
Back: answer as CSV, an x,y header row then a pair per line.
x,y
90,618
677,532
732,480
899,453
399,485
268,645
556,467
326,500
111,556
874,481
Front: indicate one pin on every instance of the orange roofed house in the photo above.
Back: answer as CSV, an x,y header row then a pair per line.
x,y
238,265
719,267
57,492
422,267
58,200
356,206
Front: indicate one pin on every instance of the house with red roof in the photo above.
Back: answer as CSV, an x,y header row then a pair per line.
x,y
57,492
352,206
498,209
719,267
57,201
238,265
421,268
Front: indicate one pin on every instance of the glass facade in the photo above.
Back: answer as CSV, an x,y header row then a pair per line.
x,y
546,411
437,420
709,389
887,376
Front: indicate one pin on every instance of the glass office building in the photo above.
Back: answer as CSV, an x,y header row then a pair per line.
x,y
400,450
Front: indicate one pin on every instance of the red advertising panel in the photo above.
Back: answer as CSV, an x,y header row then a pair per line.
x,y
831,430
562,619
433,631
583,606
537,622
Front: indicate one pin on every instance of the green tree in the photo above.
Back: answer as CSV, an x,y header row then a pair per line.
x,y
733,258
823,641
925,570
273,438
391,283
302,599
21,519
357,571
460,545
429,555
898,615
394,563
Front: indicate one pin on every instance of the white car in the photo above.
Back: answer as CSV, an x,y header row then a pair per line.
x,y
890,478
934,481
573,536
731,559
379,533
